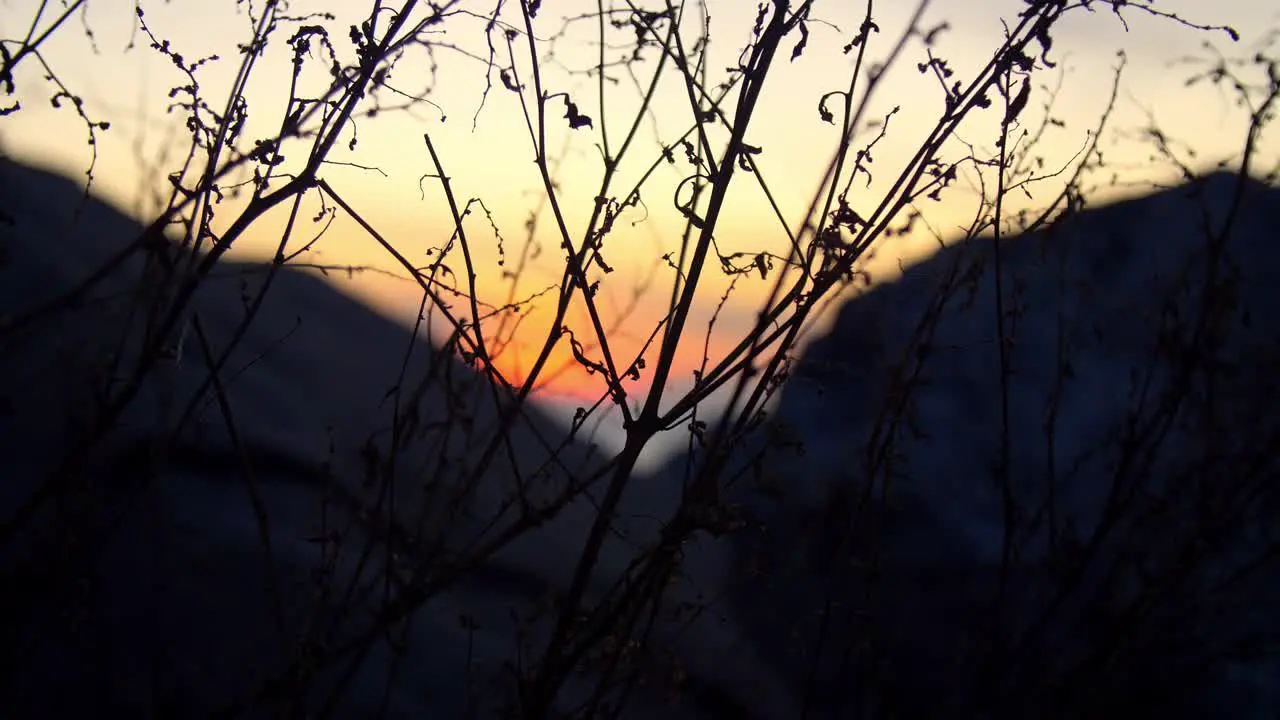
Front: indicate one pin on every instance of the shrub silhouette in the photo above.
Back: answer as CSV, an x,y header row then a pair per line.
x,y
1035,477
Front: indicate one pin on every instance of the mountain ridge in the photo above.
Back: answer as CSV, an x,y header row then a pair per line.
x,y
212,506
889,450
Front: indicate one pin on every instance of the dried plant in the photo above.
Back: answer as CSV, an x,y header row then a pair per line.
x,y
458,480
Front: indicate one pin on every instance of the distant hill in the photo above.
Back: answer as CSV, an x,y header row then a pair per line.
x,y
1124,475
332,462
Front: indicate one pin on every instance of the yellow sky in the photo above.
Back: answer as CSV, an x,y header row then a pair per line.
x,y
488,154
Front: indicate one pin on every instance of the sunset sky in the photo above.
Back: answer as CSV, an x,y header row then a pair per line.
x,y
485,146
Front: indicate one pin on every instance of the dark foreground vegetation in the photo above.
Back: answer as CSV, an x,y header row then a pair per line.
x,y
1034,477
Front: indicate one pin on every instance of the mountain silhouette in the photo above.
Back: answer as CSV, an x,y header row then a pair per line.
x,y
1094,536
191,552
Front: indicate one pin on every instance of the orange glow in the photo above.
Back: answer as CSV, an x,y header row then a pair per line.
x,y
562,374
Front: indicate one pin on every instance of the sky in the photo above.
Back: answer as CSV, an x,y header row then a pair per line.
x,y
103,55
